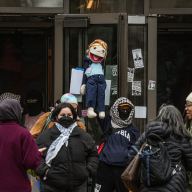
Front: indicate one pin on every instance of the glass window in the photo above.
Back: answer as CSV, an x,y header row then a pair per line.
x,y
137,41
31,3
174,66
171,4
78,41
97,6
108,33
79,38
135,7
174,20
21,54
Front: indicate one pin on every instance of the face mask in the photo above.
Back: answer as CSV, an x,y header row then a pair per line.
x,y
124,113
65,121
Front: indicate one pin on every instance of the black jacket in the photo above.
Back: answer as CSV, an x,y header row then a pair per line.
x,y
73,164
180,150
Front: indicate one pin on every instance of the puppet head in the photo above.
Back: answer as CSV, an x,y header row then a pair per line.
x,y
97,51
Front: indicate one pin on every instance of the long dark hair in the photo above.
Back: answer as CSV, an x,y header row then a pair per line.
x,y
59,107
172,116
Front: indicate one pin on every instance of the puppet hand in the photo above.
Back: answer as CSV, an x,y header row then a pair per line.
x,y
82,90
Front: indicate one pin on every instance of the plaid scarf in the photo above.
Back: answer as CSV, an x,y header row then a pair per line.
x,y
116,121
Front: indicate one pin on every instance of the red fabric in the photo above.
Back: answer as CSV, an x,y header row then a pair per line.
x,y
18,153
100,148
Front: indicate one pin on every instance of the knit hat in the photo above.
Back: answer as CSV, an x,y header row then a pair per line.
x,y
189,98
69,98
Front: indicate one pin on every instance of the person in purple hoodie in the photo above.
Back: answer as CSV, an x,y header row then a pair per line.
x,y
18,150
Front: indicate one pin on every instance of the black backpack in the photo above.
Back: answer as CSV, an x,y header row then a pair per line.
x,y
156,166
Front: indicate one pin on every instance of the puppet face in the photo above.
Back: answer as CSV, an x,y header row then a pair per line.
x,y
97,51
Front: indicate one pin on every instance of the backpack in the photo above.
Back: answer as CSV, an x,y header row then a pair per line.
x,y
156,166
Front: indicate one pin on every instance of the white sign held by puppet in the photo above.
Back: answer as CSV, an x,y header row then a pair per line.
x,y
94,83
76,80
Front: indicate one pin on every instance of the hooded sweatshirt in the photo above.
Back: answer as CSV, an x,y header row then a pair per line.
x,y
18,150
120,135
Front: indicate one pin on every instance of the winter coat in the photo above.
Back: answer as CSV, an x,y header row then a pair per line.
x,y
18,153
180,151
73,164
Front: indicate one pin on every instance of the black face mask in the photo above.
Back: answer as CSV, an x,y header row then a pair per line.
x,y
124,113
65,121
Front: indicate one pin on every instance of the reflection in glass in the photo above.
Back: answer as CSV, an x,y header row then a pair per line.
x,y
171,4
96,6
107,6
21,54
31,3
135,6
174,67
137,40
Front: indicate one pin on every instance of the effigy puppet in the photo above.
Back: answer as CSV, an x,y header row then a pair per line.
x,y
94,83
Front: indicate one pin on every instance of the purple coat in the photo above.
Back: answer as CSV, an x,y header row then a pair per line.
x,y
18,153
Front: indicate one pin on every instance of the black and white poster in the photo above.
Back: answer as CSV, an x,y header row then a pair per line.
x,y
130,74
137,58
151,85
136,88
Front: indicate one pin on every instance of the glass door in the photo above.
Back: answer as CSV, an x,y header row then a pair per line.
x,y
26,59
82,29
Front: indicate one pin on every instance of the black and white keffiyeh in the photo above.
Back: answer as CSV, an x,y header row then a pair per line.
x,y
59,142
116,121
8,95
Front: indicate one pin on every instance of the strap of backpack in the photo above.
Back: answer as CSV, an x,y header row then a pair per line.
x,y
136,149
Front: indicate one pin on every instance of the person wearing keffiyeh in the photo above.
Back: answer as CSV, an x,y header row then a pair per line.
x,y
120,135
71,155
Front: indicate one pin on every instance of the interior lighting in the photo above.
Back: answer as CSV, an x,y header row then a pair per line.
x,y
90,4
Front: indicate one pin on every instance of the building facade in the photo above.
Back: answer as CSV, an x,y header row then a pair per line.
x,y
148,58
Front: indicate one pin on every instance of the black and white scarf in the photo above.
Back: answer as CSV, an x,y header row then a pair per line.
x,y
59,142
116,121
